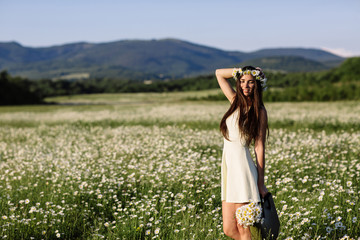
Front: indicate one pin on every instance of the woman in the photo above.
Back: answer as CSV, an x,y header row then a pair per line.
x,y
244,123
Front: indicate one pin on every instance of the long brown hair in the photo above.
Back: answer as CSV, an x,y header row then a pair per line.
x,y
249,117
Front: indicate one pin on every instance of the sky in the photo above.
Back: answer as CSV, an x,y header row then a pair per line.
x,y
241,25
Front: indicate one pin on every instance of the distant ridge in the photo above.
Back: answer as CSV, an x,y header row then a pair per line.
x,y
149,59
287,63
308,53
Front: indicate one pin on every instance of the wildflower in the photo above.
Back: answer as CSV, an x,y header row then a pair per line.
x,y
32,209
4,217
58,235
254,72
346,237
305,220
27,201
157,231
147,232
339,225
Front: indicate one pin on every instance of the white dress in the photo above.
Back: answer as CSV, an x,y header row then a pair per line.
x,y
238,170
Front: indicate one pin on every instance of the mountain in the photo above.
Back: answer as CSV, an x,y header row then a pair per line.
x,y
313,54
146,59
286,63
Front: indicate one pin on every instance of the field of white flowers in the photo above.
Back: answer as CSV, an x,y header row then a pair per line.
x,y
151,169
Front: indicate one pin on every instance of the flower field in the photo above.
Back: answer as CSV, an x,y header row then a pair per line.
x,y
140,169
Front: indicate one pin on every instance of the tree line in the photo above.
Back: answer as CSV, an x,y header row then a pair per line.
x,y
341,83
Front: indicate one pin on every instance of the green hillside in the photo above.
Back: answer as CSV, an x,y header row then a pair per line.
x,y
286,63
138,60
313,54
341,83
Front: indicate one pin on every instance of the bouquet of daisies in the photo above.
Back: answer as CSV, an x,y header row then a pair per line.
x,y
249,214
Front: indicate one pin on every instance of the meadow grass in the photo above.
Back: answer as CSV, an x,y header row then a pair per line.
x,y
127,167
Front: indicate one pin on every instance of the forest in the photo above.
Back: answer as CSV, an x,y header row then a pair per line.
x,y
339,83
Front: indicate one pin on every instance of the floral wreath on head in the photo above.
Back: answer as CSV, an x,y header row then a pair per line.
x,y
257,73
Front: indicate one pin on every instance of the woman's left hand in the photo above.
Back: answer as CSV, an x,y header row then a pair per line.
x,y
262,190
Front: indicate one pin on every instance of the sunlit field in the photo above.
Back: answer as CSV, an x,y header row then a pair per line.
x,y
147,166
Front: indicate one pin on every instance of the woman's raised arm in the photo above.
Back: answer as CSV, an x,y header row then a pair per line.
x,y
222,75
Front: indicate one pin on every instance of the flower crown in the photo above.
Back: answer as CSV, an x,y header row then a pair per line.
x,y
257,73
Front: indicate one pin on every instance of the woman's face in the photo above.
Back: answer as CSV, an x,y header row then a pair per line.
x,y
247,84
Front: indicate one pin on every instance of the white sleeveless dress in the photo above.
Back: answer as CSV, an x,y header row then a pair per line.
x,y
238,170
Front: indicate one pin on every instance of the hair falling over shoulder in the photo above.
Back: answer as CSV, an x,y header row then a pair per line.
x,y
249,112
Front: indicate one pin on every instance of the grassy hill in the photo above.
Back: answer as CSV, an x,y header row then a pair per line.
x,y
341,83
290,63
144,59
313,54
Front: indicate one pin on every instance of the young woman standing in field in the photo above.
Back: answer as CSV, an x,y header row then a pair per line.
x,y
245,122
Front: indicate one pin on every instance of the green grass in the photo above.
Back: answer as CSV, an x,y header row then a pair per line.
x,y
131,98
148,167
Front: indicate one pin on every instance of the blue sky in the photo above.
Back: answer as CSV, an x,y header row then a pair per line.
x,y
227,24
